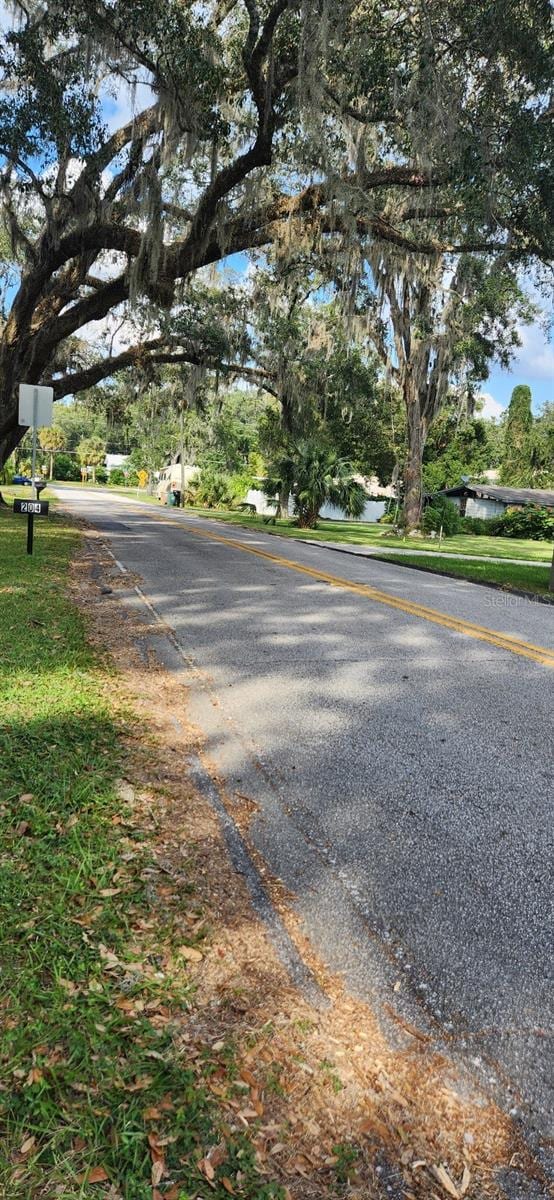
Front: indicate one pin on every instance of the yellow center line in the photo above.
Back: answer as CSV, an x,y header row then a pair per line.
x,y
504,641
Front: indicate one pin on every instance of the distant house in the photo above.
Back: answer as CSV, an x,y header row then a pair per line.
x,y
487,500
374,507
115,460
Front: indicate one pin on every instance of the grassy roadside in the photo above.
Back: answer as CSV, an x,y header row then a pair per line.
x,y
93,1089
355,533
505,575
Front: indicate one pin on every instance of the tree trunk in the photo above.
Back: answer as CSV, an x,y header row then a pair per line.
x,y
8,442
413,484
307,518
282,509
51,475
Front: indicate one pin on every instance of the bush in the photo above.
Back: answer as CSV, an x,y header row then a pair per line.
x,y
117,477
441,511
239,484
475,525
132,479
101,475
531,522
66,468
213,489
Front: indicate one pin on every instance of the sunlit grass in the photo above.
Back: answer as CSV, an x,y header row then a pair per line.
x,y
507,575
357,533
87,1015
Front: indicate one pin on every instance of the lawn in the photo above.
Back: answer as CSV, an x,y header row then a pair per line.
x,y
356,533
92,1086
133,492
506,575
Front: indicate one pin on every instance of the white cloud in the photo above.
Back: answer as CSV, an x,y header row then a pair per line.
x,y
492,409
535,359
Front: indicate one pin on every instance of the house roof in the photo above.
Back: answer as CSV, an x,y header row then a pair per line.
x,y
508,495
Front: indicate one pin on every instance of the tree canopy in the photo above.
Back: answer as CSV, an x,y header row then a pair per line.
x,y
330,130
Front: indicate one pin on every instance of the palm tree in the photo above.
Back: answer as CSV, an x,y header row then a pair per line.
x,y
51,439
314,475
91,452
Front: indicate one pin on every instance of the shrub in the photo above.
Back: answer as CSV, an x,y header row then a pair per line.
x,y
101,475
531,522
441,511
239,484
132,479
66,467
117,477
475,525
213,489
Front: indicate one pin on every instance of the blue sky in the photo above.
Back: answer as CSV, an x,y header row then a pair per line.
x,y
533,364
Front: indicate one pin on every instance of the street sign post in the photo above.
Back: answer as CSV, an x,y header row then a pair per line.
x,y
35,408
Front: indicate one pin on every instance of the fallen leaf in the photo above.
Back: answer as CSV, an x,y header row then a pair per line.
x,y
466,1180
446,1182
94,1175
152,1114
21,828
27,1145
109,891
217,1154
138,1084
26,798
190,953
158,1169
206,1168
35,1076
67,985
226,1183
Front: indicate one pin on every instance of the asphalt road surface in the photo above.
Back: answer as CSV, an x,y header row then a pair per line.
x,y
400,761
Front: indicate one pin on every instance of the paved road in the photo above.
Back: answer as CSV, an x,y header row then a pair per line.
x,y
402,767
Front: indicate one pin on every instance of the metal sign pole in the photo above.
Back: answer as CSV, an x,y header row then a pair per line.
x,y
30,517
34,451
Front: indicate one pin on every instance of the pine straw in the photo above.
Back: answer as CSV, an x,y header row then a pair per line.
x,y
331,1107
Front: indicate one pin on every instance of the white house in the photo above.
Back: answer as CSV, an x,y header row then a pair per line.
x,y
374,508
486,500
115,460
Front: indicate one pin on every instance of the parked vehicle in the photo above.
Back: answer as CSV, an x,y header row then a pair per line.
x,y
170,480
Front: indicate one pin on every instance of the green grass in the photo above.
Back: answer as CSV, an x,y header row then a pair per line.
x,y
355,533
17,492
135,493
507,575
81,938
